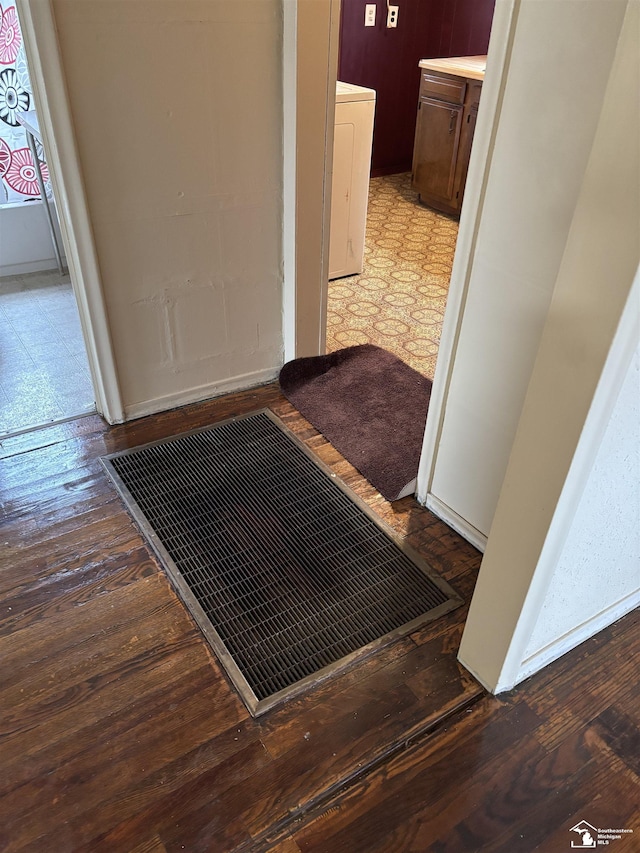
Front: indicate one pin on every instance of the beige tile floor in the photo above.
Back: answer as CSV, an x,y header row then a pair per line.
x,y
44,373
398,300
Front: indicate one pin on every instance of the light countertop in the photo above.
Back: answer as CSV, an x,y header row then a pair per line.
x,y
462,66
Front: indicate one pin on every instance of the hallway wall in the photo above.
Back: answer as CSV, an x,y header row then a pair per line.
x,y
178,117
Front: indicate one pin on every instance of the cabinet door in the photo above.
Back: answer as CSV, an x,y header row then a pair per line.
x,y
466,141
436,149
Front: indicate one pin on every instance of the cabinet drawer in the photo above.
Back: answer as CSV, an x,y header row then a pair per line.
x,y
436,148
449,89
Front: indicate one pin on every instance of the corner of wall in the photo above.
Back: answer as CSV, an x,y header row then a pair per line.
x,y
589,336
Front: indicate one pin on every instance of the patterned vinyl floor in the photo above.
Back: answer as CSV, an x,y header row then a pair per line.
x,y
398,300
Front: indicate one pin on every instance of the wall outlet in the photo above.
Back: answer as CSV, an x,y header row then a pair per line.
x,y
392,16
370,15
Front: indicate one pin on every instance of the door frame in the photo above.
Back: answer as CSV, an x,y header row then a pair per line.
x,y
311,33
56,126
498,59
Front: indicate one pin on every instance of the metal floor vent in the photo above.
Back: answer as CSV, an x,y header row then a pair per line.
x,y
288,574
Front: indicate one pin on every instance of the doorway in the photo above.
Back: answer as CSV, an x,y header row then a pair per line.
x,y
44,370
310,125
39,39
399,299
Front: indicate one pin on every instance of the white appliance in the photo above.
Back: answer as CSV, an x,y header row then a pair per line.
x,y
355,107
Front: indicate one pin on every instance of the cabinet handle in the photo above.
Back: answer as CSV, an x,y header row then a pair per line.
x,y
452,121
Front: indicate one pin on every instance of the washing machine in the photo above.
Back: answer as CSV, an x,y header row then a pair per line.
x,y
355,109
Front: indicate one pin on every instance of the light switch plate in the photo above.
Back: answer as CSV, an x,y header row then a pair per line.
x,y
370,15
392,16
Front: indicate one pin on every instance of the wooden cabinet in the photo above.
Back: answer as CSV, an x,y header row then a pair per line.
x,y
447,111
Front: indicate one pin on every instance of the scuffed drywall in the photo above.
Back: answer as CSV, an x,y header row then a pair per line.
x,y
177,108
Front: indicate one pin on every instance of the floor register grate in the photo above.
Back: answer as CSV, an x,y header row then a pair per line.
x,y
288,574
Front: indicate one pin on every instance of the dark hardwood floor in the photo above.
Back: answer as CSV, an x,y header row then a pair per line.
x,y
119,731
513,773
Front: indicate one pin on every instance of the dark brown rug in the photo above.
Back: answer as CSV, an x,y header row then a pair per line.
x,y
370,405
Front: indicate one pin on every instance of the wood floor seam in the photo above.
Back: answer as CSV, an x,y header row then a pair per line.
x,y
317,806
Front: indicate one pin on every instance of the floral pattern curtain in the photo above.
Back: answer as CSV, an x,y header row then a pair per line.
x,y
17,173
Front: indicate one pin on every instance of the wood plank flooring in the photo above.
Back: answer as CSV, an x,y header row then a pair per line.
x,y
120,732
495,780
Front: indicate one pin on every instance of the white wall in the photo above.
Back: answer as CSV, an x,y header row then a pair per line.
x,y
25,241
177,108
589,337
598,568
555,82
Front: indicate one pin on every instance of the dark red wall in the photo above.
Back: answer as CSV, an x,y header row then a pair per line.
x,y
387,60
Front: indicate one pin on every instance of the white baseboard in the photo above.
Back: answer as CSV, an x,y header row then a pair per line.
x,y
574,637
450,517
201,393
